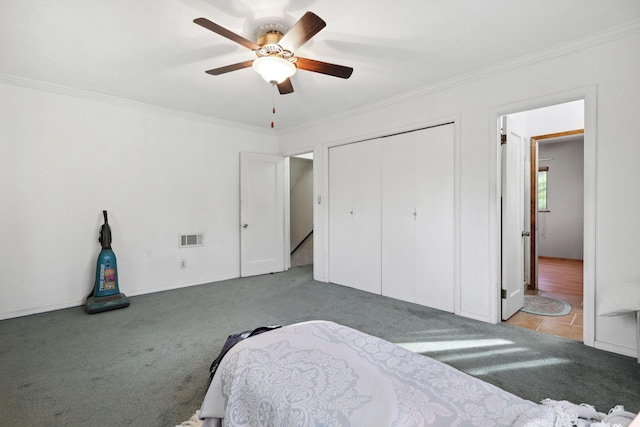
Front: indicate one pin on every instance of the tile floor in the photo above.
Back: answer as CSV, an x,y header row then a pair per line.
x,y
569,326
561,279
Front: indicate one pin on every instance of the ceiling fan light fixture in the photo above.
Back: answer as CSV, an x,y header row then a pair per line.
x,y
274,69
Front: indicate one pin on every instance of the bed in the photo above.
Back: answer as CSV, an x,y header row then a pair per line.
x,y
320,373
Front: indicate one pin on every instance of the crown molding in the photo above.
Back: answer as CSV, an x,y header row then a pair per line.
x,y
93,96
603,37
607,36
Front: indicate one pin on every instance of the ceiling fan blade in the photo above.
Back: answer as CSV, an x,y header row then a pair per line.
x,y
324,68
229,68
285,87
204,22
306,27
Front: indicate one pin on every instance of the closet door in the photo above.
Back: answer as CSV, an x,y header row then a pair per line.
x,y
354,215
418,217
435,219
398,219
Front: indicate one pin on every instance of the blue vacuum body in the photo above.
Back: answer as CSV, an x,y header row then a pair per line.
x,y
106,293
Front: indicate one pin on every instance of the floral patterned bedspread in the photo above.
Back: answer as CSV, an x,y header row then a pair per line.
x,y
320,373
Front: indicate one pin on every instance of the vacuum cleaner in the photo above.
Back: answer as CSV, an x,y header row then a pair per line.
x,y
106,293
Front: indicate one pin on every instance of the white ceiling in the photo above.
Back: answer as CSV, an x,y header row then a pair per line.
x,y
150,51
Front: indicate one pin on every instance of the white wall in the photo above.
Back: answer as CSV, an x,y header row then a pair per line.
x,y
64,158
478,102
560,228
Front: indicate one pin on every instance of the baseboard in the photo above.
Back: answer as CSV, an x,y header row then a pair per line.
x,y
41,309
146,291
76,303
475,316
552,258
615,348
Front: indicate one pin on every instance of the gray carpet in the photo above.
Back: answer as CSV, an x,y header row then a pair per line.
x,y
147,365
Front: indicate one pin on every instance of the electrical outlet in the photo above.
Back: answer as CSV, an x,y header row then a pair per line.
x,y
183,263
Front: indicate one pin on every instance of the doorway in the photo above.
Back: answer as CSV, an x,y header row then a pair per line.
x,y
554,210
559,156
301,209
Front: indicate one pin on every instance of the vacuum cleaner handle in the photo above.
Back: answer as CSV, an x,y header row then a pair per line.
x,y
105,233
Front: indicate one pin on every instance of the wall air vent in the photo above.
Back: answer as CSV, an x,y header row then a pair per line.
x,y
190,240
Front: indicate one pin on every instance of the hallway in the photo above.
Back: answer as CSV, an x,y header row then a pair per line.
x,y
561,279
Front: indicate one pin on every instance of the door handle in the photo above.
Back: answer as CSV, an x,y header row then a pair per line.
x,y
245,225
526,234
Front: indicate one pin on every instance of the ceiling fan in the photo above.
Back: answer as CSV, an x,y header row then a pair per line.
x,y
274,49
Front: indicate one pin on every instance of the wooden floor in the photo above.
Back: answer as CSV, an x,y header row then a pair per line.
x,y
561,279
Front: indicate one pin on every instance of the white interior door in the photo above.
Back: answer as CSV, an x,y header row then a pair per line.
x,y
342,257
526,211
354,215
261,214
418,217
398,216
533,279
513,226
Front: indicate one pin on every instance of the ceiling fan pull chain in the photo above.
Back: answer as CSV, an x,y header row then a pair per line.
x,y
273,110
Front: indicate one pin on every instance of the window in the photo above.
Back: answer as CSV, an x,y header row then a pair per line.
x,y
542,188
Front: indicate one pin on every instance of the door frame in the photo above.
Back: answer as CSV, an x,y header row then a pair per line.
x,y
533,201
318,249
589,95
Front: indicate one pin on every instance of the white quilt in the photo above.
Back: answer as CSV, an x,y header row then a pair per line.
x,y
323,374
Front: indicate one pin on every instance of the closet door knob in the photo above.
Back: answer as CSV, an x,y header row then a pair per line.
x,y
245,225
